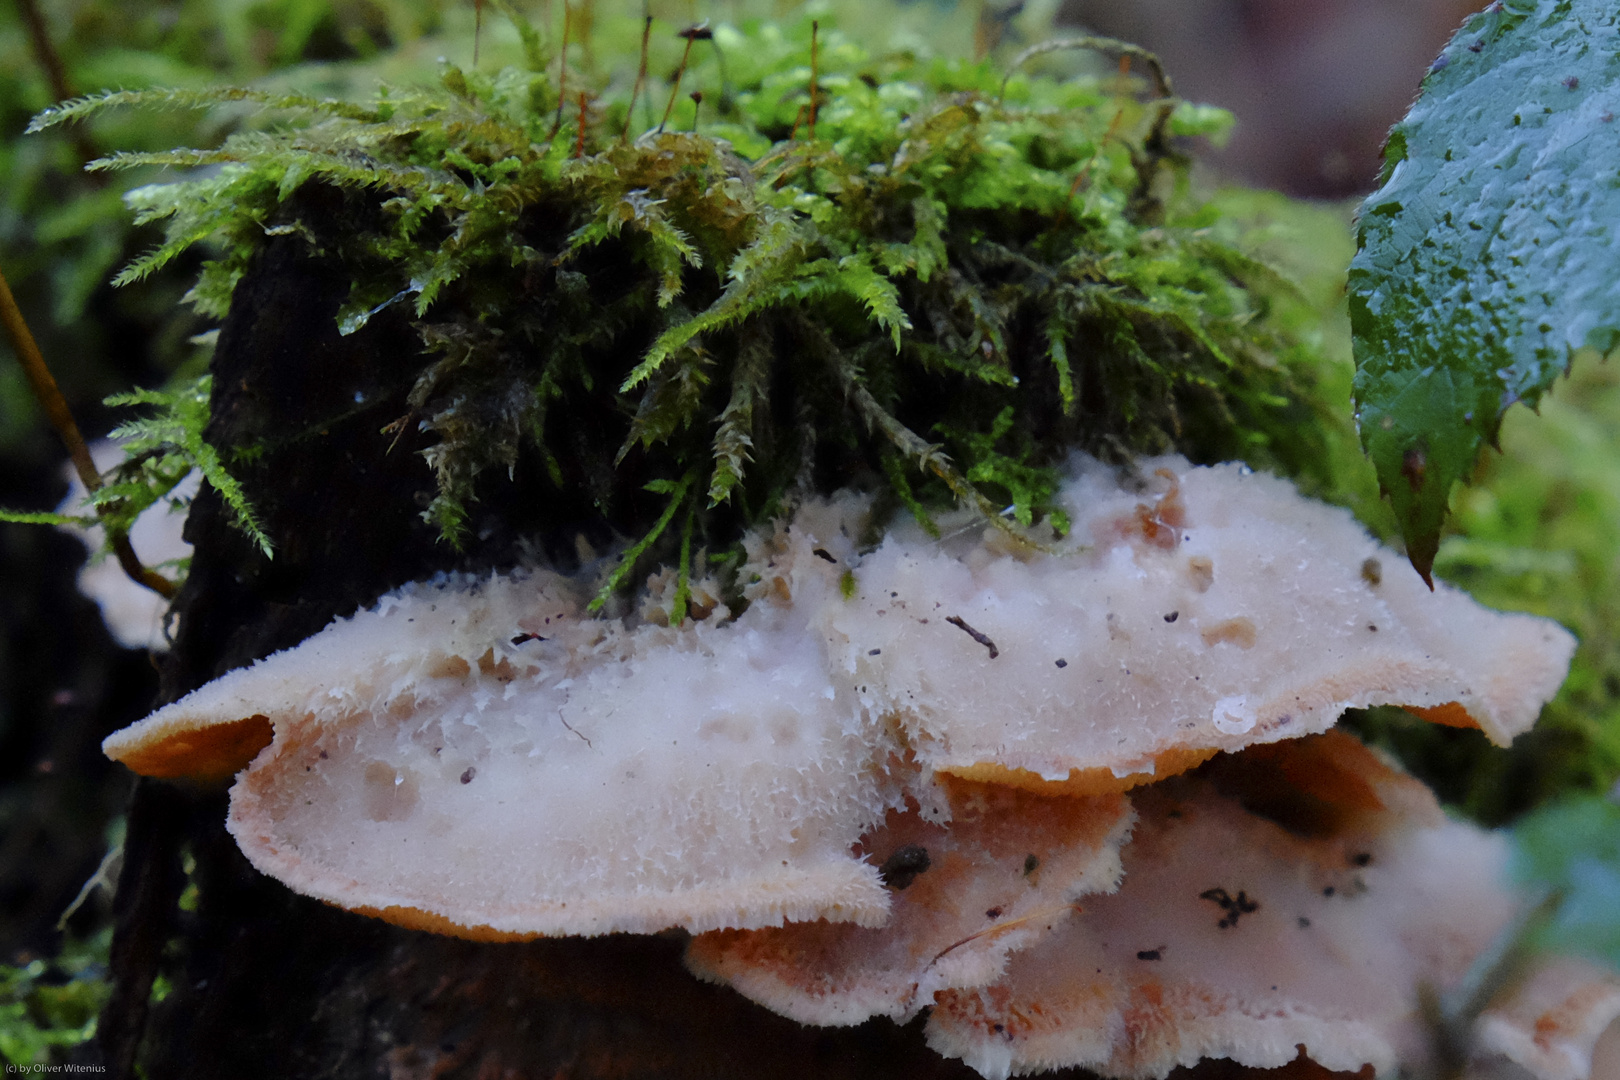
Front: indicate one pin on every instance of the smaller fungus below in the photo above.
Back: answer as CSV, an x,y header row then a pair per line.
x,y
1552,1020
1344,984
952,927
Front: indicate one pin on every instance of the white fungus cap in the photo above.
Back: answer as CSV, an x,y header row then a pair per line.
x,y
133,613
480,757
1210,609
534,774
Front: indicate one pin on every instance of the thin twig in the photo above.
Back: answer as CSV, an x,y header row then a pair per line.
x,y
562,72
56,77
958,622
579,142
798,118
45,51
815,35
1085,170
1007,924
49,396
1098,44
691,34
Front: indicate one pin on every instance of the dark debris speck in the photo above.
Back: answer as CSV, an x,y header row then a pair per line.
x,y
1234,906
901,869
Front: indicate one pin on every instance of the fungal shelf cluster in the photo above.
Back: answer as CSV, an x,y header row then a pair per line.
x,y
1080,799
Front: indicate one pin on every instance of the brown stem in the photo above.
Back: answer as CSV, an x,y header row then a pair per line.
x,y
50,60
815,33
562,72
49,396
579,143
641,78
675,90
45,51
1096,44
1085,170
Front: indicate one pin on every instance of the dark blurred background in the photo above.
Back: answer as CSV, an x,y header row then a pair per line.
x,y
1315,84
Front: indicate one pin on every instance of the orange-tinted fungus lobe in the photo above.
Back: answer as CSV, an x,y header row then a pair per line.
x,y
1451,714
216,752
1095,781
416,919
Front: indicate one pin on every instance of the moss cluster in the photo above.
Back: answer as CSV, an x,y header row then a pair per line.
x,y
933,278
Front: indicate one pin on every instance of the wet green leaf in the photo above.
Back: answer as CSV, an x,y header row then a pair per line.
x,y
1488,255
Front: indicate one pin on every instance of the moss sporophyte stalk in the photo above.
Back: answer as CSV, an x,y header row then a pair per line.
x,y
933,278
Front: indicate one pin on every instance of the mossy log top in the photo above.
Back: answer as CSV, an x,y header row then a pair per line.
x,y
930,279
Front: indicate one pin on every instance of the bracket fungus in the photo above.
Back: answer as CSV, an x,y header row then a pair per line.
x,y
901,766
1006,869
1324,914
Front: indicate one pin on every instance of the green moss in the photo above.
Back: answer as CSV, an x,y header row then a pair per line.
x,y
52,1005
936,281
